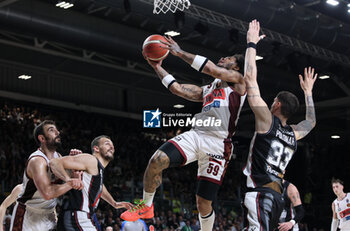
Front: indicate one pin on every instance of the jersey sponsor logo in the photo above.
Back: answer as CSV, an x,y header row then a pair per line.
x,y
216,94
345,213
216,156
215,104
274,172
152,118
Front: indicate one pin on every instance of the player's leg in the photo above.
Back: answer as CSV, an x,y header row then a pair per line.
x,y
264,208
212,163
170,154
206,193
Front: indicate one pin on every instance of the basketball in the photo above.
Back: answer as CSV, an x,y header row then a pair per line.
x,y
153,49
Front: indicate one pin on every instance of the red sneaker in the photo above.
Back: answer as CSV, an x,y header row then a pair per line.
x,y
139,211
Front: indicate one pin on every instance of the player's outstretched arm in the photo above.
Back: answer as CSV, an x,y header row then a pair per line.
x,y
307,83
204,65
335,221
81,162
110,200
187,91
294,197
263,116
10,199
37,170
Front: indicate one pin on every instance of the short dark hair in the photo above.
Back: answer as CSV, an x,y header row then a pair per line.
x,y
290,103
39,130
96,141
335,180
240,62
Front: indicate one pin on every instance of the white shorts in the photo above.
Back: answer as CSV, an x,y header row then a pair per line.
x,y
25,219
208,150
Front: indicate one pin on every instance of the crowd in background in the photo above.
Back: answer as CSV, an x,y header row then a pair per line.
x,y
123,177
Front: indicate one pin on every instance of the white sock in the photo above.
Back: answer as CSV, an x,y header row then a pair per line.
x,y
207,221
148,198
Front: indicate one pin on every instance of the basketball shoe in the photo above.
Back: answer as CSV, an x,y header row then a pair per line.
x,y
139,211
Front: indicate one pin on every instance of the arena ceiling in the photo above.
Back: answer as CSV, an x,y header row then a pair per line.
x,y
102,39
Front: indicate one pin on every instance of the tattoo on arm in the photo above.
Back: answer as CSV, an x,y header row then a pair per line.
x,y
310,110
304,127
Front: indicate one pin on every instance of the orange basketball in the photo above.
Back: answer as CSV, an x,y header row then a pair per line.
x,y
153,49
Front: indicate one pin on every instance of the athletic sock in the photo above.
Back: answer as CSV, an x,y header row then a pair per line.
x,y
148,198
207,222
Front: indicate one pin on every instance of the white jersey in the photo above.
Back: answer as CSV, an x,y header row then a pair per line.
x,y
220,111
30,196
342,209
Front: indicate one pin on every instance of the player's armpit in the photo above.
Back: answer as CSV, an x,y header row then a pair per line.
x,y
302,129
187,91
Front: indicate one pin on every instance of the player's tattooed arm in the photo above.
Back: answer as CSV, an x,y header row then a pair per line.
x,y
294,195
187,91
306,83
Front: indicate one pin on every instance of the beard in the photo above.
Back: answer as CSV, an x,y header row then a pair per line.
x,y
106,156
53,143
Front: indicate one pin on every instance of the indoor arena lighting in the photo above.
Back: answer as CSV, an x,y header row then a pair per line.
x,y
324,77
258,58
25,77
64,5
172,33
335,137
179,106
333,2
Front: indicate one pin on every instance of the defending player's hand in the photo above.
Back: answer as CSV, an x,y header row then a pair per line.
x,y
307,83
173,47
127,205
253,32
285,226
75,183
74,152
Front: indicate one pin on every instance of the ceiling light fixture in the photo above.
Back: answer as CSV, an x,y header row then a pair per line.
x,y
179,106
24,77
324,77
64,5
333,2
172,33
258,58
335,137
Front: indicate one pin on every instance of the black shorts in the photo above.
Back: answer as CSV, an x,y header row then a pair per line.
x,y
264,207
205,189
76,221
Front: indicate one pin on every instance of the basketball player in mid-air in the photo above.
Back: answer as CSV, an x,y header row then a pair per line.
x,y
274,141
210,146
78,209
293,210
35,206
340,207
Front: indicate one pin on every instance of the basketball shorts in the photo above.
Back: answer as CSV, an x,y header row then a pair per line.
x,y
27,219
264,207
212,154
76,221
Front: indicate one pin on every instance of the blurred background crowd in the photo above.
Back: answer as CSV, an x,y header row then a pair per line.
x,y
175,207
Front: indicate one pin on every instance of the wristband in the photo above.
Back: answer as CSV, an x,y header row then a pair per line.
x,y
199,62
292,221
252,45
168,80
